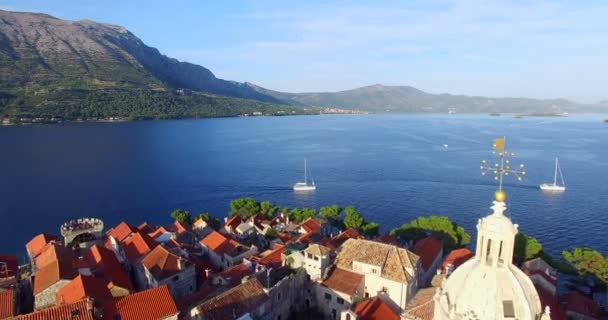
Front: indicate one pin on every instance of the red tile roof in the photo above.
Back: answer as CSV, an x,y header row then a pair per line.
x,y
543,275
8,267
233,222
457,257
343,281
422,305
338,240
155,303
82,287
162,264
311,225
137,246
427,249
235,302
573,301
388,239
104,263
234,275
218,243
34,246
81,310
7,304
375,309
145,228
52,252
200,223
274,258
547,299
179,227
52,273
158,232
121,231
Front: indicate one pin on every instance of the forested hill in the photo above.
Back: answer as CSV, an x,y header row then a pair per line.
x,y
50,66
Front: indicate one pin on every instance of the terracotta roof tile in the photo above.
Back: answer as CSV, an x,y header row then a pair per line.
x,y
121,231
137,246
7,304
8,267
218,243
422,305
274,258
318,250
388,239
81,310
233,222
375,309
82,287
155,303
162,264
335,242
145,228
52,252
427,249
235,302
234,275
105,264
51,274
456,258
34,246
158,232
179,227
311,225
395,262
573,301
343,281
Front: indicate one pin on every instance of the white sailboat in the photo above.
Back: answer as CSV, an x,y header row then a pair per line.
x,y
304,186
554,186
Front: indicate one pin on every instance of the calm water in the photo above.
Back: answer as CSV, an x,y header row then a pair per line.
x,y
393,168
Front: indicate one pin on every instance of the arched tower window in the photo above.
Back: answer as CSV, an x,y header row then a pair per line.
x,y
488,251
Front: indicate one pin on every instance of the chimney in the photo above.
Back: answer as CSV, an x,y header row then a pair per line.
x,y
225,219
287,220
207,271
181,264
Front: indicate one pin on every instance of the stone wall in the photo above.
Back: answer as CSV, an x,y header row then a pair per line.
x,y
47,297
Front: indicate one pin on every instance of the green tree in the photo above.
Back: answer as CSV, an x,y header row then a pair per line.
x,y
586,261
451,234
299,215
244,207
182,216
215,223
271,234
268,209
526,248
352,218
371,229
331,213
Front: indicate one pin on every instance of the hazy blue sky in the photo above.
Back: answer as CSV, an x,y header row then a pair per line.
x,y
541,49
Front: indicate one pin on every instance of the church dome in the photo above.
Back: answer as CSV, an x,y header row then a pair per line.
x,y
489,286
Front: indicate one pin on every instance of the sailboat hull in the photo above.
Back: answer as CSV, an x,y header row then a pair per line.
x,y
552,187
303,187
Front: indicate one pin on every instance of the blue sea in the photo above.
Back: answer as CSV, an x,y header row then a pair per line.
x,y
393,168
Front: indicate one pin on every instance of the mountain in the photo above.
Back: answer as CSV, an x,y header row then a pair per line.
x,y
379,98
84,69
45,61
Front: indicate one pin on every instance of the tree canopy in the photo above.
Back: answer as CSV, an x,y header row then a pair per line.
x,y
244,207
526,248
267,209
371,229
352,218
182,216
331,213
215,223
299,215
586,261
441,227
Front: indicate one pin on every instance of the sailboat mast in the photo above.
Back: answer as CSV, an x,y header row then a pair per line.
x,y
306,182
555,175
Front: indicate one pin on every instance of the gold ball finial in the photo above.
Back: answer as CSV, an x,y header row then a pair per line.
x,y
500,196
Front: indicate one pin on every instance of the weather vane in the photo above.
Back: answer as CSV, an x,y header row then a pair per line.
x,y
502,169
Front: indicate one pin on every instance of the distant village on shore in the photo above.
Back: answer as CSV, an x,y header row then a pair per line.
x,y
266,263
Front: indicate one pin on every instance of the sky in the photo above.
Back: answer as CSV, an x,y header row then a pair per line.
x,y
536,49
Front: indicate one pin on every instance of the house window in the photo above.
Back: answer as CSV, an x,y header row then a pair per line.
x,y
340,300
374,271
348,316
279,297
385,289
316,258
175,278
309,256
366,295
327,296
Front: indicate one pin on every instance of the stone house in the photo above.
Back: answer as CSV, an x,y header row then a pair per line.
x,y
387,269
224,252
316,260
161,267
339,292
